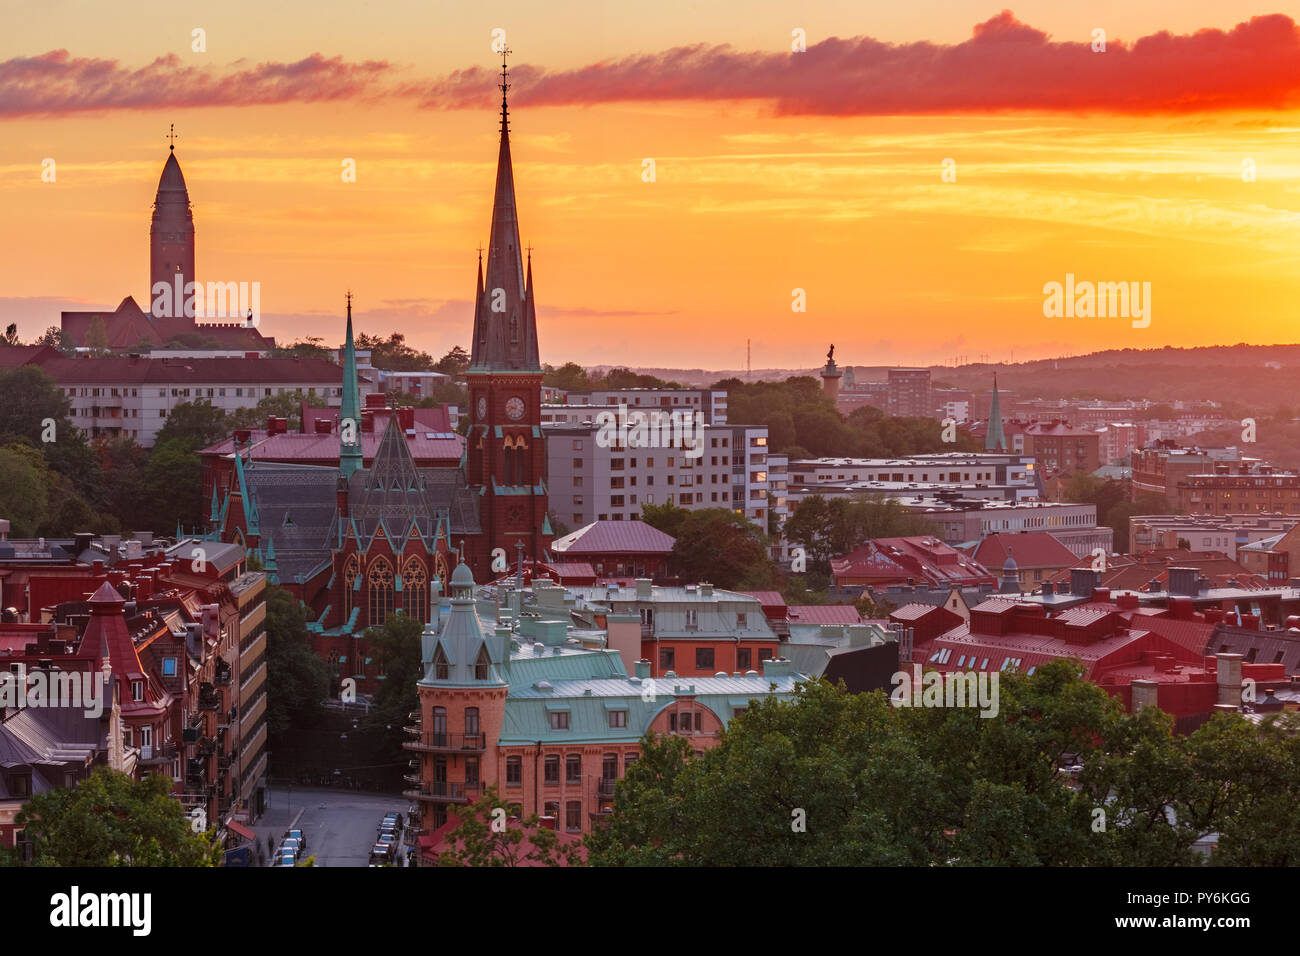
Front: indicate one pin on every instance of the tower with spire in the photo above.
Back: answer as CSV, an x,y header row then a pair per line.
x,y
506,454
171,234
995,439
350,456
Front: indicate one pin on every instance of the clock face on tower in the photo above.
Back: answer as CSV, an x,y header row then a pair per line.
x,y
515,408
482,408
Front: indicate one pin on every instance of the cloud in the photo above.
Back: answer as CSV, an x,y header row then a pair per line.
x,y
57,82
1004,66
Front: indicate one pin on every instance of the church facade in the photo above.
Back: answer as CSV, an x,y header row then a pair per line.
x,y
360,543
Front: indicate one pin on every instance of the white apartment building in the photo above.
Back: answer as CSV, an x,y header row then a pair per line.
x,y
709,401
590,479
132,397
976,474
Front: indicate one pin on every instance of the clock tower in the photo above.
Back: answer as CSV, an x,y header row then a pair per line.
x,y
505,455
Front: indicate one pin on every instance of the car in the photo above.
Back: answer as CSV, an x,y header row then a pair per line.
x,y
393,819
389,830
291,846
387,839
380,854
287,858
298,835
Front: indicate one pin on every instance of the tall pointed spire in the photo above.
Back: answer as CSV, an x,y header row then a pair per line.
x,y
505,321
171,235
995,439
350,457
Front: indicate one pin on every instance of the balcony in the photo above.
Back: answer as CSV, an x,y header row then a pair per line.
x,y
445,793
605,787
447,743
411,778
156,755
209,699
221,676
205,747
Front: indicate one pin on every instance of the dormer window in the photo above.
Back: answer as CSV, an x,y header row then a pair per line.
x,y
481,665
441,670
137,690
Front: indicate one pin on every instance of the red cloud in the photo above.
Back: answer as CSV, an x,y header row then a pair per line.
x,y
1005,65
57,82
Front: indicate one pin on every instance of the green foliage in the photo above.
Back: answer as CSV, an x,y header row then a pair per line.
x,y
300,678
721,547
396,647
195,425
97,337
453,363
287,406
484,836
667,518
189,340
312,347
172,482
917,786
827,529
110,819
24,489
393,354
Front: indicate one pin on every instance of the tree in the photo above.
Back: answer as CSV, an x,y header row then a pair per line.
x,y
837,779
312,346
55,338
173,486
31,401
720,546
195,425
396,646
287,406
393,354
667,517
297,673
571,377
486,835
97,337
453,363
110,819
10,336
24,489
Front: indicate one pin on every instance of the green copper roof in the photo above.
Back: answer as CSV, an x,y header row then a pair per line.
x,y
350,454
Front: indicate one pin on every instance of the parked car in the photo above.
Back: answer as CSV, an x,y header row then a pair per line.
x,y
381,853
394,818
287,857
297,835
292,845
389,840
389,830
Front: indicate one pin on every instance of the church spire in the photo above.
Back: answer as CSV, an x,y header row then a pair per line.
x,y
505,321
349,414
995,439
171,235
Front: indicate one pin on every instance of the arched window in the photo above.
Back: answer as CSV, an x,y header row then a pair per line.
x,y
415,591
508,461
441,670
439,730
482,664
521,468
471,721
381,591
350,571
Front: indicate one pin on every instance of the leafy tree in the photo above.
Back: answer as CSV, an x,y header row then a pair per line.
x,y
24,488
393,354
55,338
110,819
97,337
173,485
453,363
396,645
827,528
195,425
122,465
570,376
310,347
299,676
192,340
31,398
287,406
720,546
667,517
485,835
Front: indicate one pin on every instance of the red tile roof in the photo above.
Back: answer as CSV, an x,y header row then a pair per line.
x,y
615,537
192,371
1029,549
297,447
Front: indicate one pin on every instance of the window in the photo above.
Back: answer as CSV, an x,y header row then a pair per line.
x,y
704,658
560,720
471,771
618,718
552,809
137,690
609,767
573,768
482,664
471,721
628,760
743,656
666,658
514,771
440,667
573,816
169,667
691,620
551,770
741,619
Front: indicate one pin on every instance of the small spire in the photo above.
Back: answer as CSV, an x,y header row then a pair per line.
x,y
171,135
504,86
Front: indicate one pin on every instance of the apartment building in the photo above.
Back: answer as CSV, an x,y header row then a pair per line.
x,y
132,397
1159,468
710,402
1247,487
590,478
1008,476
1062,449
908,393
1229,533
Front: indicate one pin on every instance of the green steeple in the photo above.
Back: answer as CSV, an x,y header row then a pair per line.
x,y
268,564
349,411
995,439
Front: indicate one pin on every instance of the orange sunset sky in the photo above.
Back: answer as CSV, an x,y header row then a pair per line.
x,y
819,170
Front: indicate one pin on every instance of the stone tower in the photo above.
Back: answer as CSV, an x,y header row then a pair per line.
x,y
171,236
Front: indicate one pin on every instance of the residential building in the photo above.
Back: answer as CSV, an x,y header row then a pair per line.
x,y
1159,468
709,402
1229,533
1245,487
619,549
882,562
1062,449
909,393
592,479
1035,556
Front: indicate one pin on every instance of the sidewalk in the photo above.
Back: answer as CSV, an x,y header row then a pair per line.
x,y
278,818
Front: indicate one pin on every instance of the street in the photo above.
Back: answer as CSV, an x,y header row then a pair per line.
x,y
339,825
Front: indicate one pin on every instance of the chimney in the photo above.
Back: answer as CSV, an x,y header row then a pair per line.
x,y
1082,581
644,590
1144,693
1101,595
641,668
324,426
1048,589
706,589
777,667
1229,680
1182,581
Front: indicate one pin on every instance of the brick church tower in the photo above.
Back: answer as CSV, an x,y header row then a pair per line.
x,y
506,453
171,234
